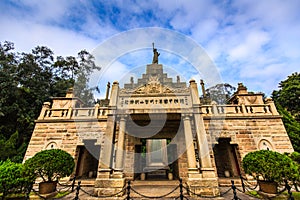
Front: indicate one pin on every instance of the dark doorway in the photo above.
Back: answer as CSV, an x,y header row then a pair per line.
x,y
173,159
87,164
226,158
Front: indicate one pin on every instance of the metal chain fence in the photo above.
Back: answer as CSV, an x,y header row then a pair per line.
x,y
127,191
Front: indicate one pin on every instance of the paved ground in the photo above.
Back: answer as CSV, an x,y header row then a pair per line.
x,y
83,196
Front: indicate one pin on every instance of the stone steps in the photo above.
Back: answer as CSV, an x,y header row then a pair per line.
x,y
155,188
226,182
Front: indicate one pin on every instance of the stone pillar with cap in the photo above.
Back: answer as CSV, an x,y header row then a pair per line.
x,y
120,146
190,149
203,88
106,183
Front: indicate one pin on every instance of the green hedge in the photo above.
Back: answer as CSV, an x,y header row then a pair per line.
x,y
14,178
270,166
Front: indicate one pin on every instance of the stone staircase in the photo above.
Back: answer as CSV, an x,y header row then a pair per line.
x,y
226,182
155,188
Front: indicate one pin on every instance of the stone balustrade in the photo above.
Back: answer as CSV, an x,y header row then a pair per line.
x,y
74,113
207,110
236,110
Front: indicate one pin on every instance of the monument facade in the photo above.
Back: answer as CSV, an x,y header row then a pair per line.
x,y
156,125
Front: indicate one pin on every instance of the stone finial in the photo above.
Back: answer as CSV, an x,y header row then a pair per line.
x,y
242,89
107,90
203,88
269,99
70,93
192,81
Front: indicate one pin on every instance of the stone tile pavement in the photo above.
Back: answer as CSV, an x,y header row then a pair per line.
x,y
154,191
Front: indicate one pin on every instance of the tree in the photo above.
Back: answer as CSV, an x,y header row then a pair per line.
x,y
270,166
27,80
51,164
292,127
220,93
287,100
288,96
87,66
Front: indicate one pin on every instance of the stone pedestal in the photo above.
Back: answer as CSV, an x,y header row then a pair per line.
x,y
110,186
208,172
204,186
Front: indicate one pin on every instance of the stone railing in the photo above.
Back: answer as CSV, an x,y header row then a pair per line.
x,y
239,110
73,113
207,110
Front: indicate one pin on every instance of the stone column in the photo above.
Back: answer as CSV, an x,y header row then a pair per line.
x,y
120,145
107,90
203,88
190,150
205,161
114,94
106,150
194,92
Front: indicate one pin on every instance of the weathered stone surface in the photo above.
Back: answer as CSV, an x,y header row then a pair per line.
x,y
109,183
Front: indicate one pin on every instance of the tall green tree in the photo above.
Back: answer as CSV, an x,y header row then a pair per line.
x,y
287,100
288,95
220,93
292,127
29,79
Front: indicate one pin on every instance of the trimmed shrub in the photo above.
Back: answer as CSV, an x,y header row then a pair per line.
x,y
14,178
270,166
51,164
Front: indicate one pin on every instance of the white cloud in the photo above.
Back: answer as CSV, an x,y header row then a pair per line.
x,y
27,35
250,41
250,46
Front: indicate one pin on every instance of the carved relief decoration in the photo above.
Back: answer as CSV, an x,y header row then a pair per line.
x,y
154,87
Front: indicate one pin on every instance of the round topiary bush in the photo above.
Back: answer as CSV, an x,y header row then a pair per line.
x,y
50,164
270,166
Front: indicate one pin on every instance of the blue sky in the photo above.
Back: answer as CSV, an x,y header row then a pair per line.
x,y
254,42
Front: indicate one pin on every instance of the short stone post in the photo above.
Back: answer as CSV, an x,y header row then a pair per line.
x,y
45,108
96,113
272,106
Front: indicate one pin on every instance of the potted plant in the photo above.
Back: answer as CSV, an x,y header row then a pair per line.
x,y
269,168
50,165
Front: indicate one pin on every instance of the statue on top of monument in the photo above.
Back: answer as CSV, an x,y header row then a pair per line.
x,y
155,55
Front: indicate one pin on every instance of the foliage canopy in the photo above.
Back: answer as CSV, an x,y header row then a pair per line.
x,y
51,164
270,166
27,80
14,178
